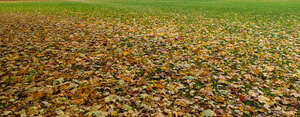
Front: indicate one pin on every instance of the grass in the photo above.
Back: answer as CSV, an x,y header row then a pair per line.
x,y
150,57
258,11
209,8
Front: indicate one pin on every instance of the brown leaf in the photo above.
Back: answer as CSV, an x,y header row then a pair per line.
x,y
242,98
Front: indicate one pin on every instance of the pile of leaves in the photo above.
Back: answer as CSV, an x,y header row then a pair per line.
x,y
147,66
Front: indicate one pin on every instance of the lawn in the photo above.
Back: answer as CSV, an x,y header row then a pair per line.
x,y
150,58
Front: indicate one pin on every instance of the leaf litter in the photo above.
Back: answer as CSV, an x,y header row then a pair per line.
x,y
106,66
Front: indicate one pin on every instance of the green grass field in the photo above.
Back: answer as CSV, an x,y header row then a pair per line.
x,y
150,58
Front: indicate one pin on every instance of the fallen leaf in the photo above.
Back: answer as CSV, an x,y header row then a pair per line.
x,y
265,100
208,113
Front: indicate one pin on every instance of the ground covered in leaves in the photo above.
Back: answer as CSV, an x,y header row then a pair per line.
x,y
152,65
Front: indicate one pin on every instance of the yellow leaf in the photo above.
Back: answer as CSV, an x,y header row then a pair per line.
x,y
262,110
149,88
158,85
125,53
265,100
163,68
220,99
256,71
127,79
